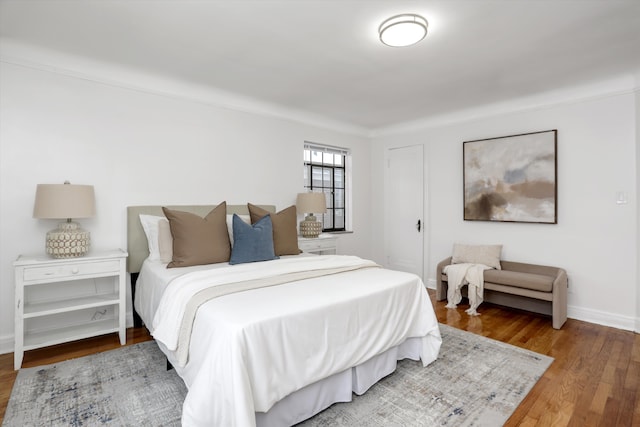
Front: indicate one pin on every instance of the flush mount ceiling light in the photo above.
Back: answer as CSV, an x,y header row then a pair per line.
x,y
403,30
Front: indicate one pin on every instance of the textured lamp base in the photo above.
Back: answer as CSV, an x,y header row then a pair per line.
x,y
68,241
310,227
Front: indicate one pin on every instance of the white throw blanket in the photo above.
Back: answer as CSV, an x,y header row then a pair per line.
x,y
461,274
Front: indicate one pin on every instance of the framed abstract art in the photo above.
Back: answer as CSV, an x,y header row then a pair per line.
x,y
512,178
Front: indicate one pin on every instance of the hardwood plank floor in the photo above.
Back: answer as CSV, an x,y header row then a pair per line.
x,y
594,380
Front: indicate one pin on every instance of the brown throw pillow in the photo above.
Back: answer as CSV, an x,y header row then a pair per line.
x,y
285,233
197,240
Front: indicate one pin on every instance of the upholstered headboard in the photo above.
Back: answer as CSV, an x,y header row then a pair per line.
x,y
137,241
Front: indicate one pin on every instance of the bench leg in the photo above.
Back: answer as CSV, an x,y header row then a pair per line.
x,y
559,302
559,315
441,291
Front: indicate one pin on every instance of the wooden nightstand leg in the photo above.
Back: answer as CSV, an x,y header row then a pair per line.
x,y
122,309
17,359
18,347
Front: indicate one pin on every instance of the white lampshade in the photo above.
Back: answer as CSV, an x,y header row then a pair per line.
x,y
403,30
62,201
65,201
311,203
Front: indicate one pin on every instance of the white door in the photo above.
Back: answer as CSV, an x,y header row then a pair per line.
x,y
404,200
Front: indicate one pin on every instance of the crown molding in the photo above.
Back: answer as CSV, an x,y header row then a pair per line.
x,y
618,85
38,58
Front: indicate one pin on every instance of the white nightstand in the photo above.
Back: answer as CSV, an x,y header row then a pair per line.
x,y
61,300
324,244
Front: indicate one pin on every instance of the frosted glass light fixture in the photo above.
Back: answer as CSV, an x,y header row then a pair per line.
x,y
403,30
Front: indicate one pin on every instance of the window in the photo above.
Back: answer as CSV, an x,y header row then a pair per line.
x,y
325,171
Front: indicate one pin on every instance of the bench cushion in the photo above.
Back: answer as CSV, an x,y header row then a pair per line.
x,y
536,282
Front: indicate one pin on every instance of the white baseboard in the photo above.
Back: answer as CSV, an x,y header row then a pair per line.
x,y
603,318
6,344
431,283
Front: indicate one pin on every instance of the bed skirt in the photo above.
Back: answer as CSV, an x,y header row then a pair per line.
x,y
316,397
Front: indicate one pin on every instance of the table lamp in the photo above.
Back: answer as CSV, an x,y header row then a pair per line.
x,y
311,203
65,201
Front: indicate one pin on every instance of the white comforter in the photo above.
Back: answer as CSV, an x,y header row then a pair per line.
x,y
167,320
250,349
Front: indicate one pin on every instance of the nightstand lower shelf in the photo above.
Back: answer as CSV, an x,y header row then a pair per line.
x,y
69,333
71,304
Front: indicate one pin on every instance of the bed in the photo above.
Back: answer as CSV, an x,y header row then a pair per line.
x,y
276,354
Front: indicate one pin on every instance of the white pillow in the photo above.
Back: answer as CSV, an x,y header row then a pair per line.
x,y
245,218
165,241
488,255
150,227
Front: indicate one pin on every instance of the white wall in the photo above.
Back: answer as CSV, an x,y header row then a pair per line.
x,y
595,239
139,147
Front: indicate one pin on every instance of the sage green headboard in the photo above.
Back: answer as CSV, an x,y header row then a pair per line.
x,y
137,241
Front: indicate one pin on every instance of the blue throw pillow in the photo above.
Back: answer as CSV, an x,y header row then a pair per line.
x,y
252,243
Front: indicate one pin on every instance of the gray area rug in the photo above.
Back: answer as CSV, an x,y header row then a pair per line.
x,y
475,382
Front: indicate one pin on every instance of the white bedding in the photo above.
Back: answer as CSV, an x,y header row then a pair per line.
x,y
251,349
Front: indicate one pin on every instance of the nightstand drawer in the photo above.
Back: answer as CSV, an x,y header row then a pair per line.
x,y
70,270
321,245
309,246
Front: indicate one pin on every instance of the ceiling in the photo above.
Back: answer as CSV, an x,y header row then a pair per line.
x,y
324,57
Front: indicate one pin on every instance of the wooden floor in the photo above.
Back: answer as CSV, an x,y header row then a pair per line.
x,y
594,380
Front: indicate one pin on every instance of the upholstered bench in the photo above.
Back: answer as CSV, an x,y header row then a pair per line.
x,y
531,287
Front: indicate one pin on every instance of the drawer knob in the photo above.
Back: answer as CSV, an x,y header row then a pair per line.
x,y
75,270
